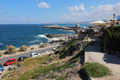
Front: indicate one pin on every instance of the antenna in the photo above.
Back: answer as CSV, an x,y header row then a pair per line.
x,y
114,17
114,10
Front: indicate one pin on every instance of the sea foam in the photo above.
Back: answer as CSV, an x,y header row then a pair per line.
x,y
41,36
35,41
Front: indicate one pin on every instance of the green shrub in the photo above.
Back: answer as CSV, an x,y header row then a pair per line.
x,y
111,39
23,48
94,70
32,48
42,46
42,70
10,49
1,53
61,78
54,76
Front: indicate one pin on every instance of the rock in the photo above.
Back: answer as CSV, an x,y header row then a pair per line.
x,y
49,35
73,76
41,78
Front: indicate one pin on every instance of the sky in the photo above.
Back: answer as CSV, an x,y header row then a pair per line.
x,y
56,11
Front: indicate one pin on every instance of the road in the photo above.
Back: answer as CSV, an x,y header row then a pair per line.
x,y
2,60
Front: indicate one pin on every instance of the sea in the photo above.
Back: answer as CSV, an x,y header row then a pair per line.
x,y
28,34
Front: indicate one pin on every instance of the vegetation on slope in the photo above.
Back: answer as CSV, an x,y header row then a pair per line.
x,y
67,49
111,39
23,48
94,70
10,49
33,68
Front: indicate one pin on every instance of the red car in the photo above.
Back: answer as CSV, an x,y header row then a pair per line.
x,y
10,62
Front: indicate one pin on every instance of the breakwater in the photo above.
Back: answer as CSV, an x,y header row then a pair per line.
x,y
60,27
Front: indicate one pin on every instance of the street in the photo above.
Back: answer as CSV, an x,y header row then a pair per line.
x,y
2,60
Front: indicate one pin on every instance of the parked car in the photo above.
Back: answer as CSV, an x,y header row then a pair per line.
x,y
34,54
10,62
22,58
1,69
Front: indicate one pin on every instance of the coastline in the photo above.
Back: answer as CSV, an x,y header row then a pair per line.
x,y
28,35
36,47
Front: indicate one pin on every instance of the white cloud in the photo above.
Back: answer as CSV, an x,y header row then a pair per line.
x,y
4,18
104,9
37,0
43,5
1,11
11,12
77,8
76,16
92,7
26,19
99,12
64,4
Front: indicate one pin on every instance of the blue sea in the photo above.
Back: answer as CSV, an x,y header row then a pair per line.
x,y
28,34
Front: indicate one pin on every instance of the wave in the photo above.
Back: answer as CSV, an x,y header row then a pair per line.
x,y
71,31
67,30
41,36
35,41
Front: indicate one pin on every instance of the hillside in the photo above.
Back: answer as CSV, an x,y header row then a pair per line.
x,y
64,64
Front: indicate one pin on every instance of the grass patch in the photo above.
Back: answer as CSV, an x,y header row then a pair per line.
x,y
73,43
61,78
43,70
95,70
67,49
35,73
70,64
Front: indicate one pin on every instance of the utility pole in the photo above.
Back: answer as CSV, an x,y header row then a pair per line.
x,y
114,17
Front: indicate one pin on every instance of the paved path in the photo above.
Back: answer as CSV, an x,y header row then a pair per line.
x,y
2,60
93,54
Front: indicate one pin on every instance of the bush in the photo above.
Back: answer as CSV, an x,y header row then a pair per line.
x,y
42,46
61,78
111,39
1,53
94,70
32,48
23,48
10,50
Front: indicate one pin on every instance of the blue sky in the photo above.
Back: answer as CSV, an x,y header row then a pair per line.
x,y
56,11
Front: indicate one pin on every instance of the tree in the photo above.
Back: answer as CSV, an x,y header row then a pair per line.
x,y
10,49
23,48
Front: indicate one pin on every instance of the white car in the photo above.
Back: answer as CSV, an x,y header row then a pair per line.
x,y
54,49
34,54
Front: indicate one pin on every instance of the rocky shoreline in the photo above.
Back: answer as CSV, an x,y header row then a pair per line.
x,y
57,35
62,28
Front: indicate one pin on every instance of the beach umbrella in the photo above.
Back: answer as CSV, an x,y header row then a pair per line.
x,y
98,22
